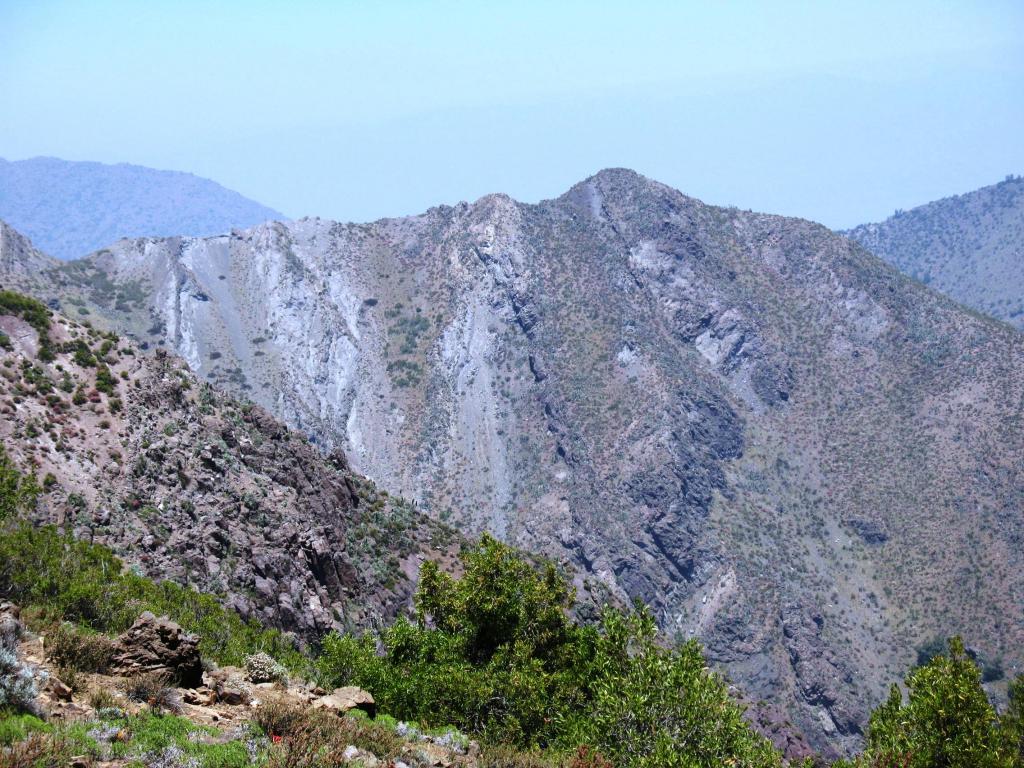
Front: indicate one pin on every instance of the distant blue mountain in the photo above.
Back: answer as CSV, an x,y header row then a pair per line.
x,y
70,209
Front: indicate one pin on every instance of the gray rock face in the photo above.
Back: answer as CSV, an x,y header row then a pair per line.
x,y
11,628
690,403
154,644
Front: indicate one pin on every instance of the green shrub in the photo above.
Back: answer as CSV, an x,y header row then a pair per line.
x,y
105,381
495,653
945,721
1013,719
32,312
17,492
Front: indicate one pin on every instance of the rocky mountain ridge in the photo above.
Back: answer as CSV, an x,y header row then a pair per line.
x,y
778,442
189,485
71,208
970,247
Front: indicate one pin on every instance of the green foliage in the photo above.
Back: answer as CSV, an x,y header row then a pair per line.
x,y
152,739
32,312
105,381
83,354
1013,719
17,492
86,584
17,727
945,721
495,653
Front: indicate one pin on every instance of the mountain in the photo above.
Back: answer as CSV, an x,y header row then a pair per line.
x,y
776,440
18,257
970,247
70,209
191,486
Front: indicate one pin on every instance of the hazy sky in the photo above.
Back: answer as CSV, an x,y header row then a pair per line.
x,y
836,111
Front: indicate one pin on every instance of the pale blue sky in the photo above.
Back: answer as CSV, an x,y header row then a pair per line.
x,y
836,111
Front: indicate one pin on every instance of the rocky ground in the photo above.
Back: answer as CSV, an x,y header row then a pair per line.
x,y
189,485
225,711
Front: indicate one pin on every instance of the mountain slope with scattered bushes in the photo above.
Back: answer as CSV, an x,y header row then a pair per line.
x,y
970,247
769,436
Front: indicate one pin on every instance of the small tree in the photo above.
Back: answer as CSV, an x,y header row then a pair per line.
x,y
946,721
17,492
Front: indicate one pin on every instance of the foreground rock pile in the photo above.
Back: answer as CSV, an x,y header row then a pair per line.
x,y
222,703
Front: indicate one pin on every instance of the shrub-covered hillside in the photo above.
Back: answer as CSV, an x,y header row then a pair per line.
x,y
131,451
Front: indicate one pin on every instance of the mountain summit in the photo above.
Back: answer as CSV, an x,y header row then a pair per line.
x,y
70,209
773,438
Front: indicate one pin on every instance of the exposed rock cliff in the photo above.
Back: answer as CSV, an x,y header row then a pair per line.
x,y
188,485
774,439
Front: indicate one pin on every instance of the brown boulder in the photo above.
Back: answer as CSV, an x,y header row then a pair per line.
x,y
345,699
59,689
159,645
229,686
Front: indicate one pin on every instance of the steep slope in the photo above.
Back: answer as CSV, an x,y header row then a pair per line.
x,y
20,261
970,247
70,209
776,440
186,484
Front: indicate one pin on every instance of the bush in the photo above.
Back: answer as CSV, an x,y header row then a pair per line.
x,y
74,649
32,312
154,689
38,750
17,685
946,721
495,653
309,738
262,668
17,492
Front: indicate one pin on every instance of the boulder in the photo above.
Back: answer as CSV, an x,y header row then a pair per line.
x,y
345,699
159,645
59,689
10,626
229,686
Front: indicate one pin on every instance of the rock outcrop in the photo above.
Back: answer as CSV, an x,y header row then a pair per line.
x,y
158,645
345,699
746,421
194,487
